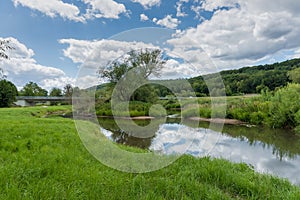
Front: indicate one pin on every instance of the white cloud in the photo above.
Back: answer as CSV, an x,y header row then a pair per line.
x,y
104,9
94,54
245,34
179,5
87,81
211,5
197,10
144,17
95,9
52,8
97,53
59,82
168,22
148,3
175,69
22,67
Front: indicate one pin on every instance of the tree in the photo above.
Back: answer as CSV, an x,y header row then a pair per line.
x,y
4,46
68,90
294,75
136,66
148,62
8,93
145,62
55,92
32,89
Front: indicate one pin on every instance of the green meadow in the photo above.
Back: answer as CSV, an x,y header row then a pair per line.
x,y
42,157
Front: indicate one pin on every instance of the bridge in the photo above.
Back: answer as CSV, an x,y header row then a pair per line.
x,y
33,100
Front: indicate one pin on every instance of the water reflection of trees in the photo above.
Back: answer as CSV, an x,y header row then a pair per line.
x,y
121,137
283,142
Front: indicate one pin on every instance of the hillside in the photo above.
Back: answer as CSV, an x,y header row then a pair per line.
x,y
248,80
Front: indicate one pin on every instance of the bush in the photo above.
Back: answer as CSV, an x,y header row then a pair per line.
x,y
190,112
8,93
285,104
258,118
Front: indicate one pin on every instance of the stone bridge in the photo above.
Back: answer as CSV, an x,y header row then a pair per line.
x,y
32,101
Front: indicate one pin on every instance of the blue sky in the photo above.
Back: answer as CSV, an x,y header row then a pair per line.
x,y
53,38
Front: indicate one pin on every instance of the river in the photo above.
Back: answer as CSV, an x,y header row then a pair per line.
x,y
273,151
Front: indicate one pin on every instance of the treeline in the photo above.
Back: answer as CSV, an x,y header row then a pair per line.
x,y
246,80
8,92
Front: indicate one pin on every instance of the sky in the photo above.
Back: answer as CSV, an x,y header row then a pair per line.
x,y
59,42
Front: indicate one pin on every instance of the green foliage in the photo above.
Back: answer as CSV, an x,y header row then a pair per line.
x,y
131,71
190,112
285,104
8,93
68,90
115,72
145,93
297,118
294,75
136,108
157,110
55,92
249,80
33,89
147,62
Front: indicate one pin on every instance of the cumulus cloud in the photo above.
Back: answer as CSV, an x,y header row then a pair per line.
x,y
92,55
168,22
87,81
144,17
22,67
179,5
246,33
95,9
59,82
52,8
175,69
97,53
104,9
211,5
148,3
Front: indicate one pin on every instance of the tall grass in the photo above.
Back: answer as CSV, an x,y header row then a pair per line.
x,y
42,157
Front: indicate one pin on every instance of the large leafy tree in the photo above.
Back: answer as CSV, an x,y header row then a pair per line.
x,y
141,64
33,89
145,62
8,93
68,90
56,92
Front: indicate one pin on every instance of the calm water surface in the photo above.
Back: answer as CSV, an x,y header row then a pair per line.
x,y
267,150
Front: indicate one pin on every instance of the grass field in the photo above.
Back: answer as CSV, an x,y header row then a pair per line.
x,y
42,157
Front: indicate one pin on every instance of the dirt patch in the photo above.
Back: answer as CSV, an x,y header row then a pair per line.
x,y
219,120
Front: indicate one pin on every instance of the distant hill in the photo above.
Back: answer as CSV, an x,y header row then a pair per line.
x,y
248,80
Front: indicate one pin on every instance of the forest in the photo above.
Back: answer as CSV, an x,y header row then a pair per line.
x,y
248,80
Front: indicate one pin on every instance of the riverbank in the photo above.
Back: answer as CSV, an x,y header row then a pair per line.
x,y
218,120
43,158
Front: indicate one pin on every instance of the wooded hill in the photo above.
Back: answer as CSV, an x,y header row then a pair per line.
x,y
247,80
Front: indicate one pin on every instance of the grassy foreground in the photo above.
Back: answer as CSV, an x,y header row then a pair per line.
x,y
43,158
